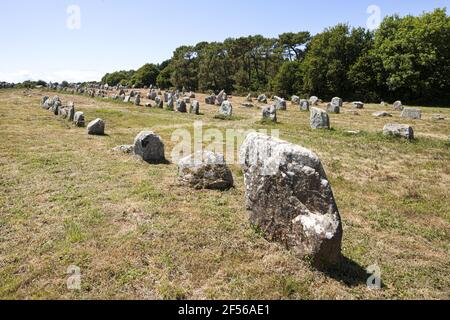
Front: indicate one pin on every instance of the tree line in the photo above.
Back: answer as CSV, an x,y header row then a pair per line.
x,y
406,58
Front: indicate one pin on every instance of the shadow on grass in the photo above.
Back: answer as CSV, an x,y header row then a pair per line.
x,y
349,272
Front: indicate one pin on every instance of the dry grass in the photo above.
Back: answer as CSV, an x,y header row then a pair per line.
x,y
66,199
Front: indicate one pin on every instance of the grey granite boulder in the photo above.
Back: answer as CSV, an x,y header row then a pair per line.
x,y
269,113
314,101
289,197
262,98
319,119
181,106
304,105
398,106
399,130
280,103
333,108
411,113
205,170
295,99
96,127
149,147
78,119
195,107
226,109
358,105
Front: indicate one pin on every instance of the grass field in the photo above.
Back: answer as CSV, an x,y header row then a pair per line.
x,y
136,233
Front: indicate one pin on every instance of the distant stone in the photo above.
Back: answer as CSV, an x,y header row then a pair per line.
x,y
380,114
411,113
159,102
358,105
78,119
289,197
295,100
181,106
269,113
221,97
399,130
127,99
226,109
247,105
398,106
170,104
148,105
195,107
249,98
137,100
304,105
280,103
262,98
210,99
71,111
192,95
205,170
333,108
96,127
314,101
43,100
319,119
149,147
336,102
187,100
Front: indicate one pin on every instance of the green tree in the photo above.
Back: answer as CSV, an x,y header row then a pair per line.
x,y
415,56
145,76
294,44
289,80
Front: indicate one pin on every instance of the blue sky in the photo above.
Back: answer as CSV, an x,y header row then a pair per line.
x,y
117,35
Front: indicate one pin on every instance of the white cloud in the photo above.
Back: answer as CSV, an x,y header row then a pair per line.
x,y
55,76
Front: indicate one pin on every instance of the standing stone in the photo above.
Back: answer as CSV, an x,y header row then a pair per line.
x,y
411,113
44,99
319,119
170,104
262,98
159,102
71,111
280,103
78,119
96,127
205,170
295,100
269,113
314,101
195,107
181,106
226,109
289,197
248,98
358,105
63,112
336,102
399,130
149,147
127,99
137,100
333,108
166,97
187,100
398,106
210,99
304,105
221,97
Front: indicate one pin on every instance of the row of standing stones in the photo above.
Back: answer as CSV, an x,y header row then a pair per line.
x,y
287,194
95,127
